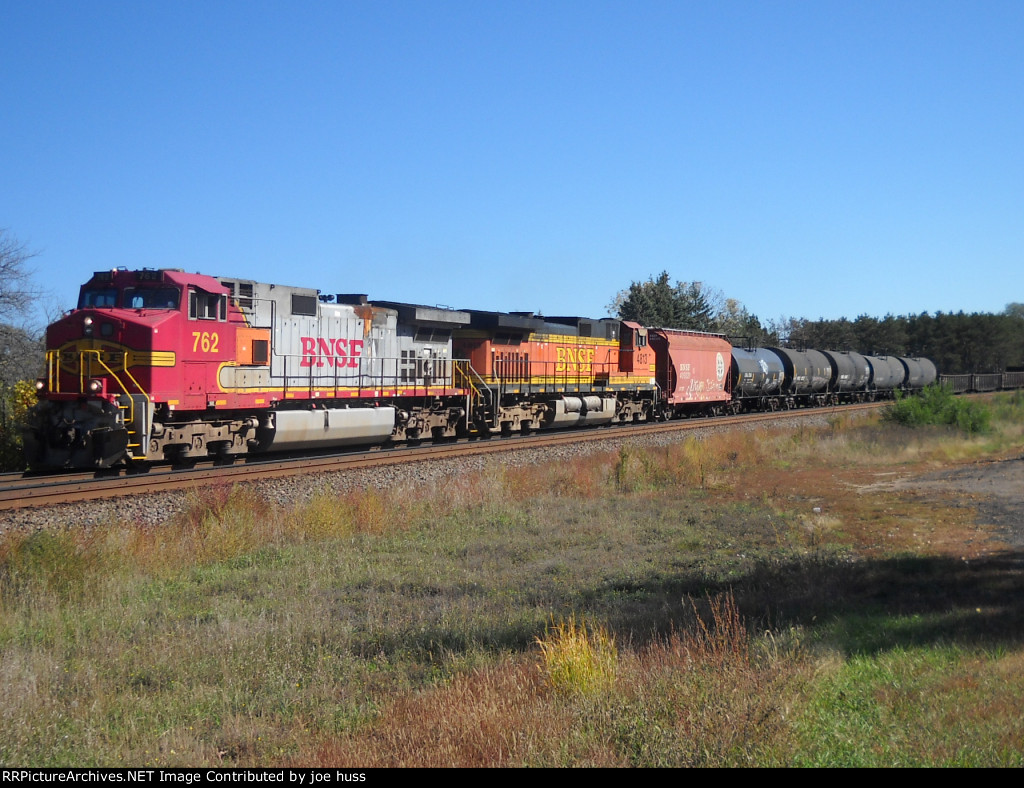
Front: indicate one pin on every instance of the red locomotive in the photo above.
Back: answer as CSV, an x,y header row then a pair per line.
x,y
164,365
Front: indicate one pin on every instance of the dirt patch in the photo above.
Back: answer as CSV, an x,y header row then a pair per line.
x,y
994,489
963,511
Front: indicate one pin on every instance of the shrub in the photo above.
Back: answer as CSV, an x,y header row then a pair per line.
x,y
937,405
15,402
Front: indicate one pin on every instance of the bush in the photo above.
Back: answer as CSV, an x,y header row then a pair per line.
x,y
937,405
15,402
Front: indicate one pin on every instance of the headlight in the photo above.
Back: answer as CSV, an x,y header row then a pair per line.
x,y
40,384
87,322
95,385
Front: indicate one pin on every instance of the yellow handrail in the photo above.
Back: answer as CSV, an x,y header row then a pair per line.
x,y
53,374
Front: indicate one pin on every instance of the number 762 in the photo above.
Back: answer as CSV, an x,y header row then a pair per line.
x,y
206,341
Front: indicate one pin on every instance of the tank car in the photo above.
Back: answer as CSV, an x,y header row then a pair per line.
x,y
918,373
806,375
757,376
851,374
887,375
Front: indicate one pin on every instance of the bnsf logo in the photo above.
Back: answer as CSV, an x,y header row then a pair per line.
x,y
330,352
570,359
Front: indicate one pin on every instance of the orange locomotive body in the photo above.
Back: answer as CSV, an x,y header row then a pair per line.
x,y
558,372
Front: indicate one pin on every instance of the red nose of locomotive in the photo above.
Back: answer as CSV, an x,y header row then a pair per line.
x,y
96,386
83,350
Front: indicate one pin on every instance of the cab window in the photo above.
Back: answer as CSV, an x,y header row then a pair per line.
x,y
151,298
207,306
105,297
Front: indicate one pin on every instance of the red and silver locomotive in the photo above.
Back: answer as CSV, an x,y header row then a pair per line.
x,y
164,365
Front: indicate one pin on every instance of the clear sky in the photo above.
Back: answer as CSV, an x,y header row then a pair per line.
x,y
811,159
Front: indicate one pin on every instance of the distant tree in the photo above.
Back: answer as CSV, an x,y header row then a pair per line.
x,y
697,306
650,303
887,336
788,330
17,292
1014,309
21,354
21,350
742,327
659,303
823,334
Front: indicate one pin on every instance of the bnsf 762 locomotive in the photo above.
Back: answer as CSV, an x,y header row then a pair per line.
x,y
161,365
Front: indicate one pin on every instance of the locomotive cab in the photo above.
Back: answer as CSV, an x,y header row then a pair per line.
x,y
101,363
635,352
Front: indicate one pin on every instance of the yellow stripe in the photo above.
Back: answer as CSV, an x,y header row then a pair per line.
x,y
568,339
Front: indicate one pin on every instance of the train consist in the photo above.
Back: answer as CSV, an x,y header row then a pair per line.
x,y
162,365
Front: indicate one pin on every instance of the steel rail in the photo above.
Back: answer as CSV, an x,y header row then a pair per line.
x,y
40,491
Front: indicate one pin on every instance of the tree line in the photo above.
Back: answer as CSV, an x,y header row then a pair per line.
x,y
957,342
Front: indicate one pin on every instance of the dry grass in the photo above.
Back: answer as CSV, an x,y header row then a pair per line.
x,y
578,658
695,698
706,615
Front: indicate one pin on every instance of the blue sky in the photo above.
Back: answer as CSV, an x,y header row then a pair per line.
x,y
811,159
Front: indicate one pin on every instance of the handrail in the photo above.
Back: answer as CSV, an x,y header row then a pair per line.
x,y
467,371
90,354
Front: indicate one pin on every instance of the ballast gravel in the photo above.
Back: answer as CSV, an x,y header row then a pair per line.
x,y
156,508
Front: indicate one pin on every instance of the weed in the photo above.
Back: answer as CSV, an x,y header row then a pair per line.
x,y
48,560
578,658
632,471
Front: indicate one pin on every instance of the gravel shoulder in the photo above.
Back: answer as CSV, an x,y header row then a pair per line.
x,y
993,490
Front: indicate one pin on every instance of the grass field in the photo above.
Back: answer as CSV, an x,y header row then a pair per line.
x,y
755,598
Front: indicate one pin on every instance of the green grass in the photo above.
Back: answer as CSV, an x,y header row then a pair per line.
x,y
905,707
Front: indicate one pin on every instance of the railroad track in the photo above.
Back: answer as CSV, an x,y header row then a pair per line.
x,y
22,491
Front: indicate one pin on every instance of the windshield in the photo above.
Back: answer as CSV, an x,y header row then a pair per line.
x,y
105,297
151,298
